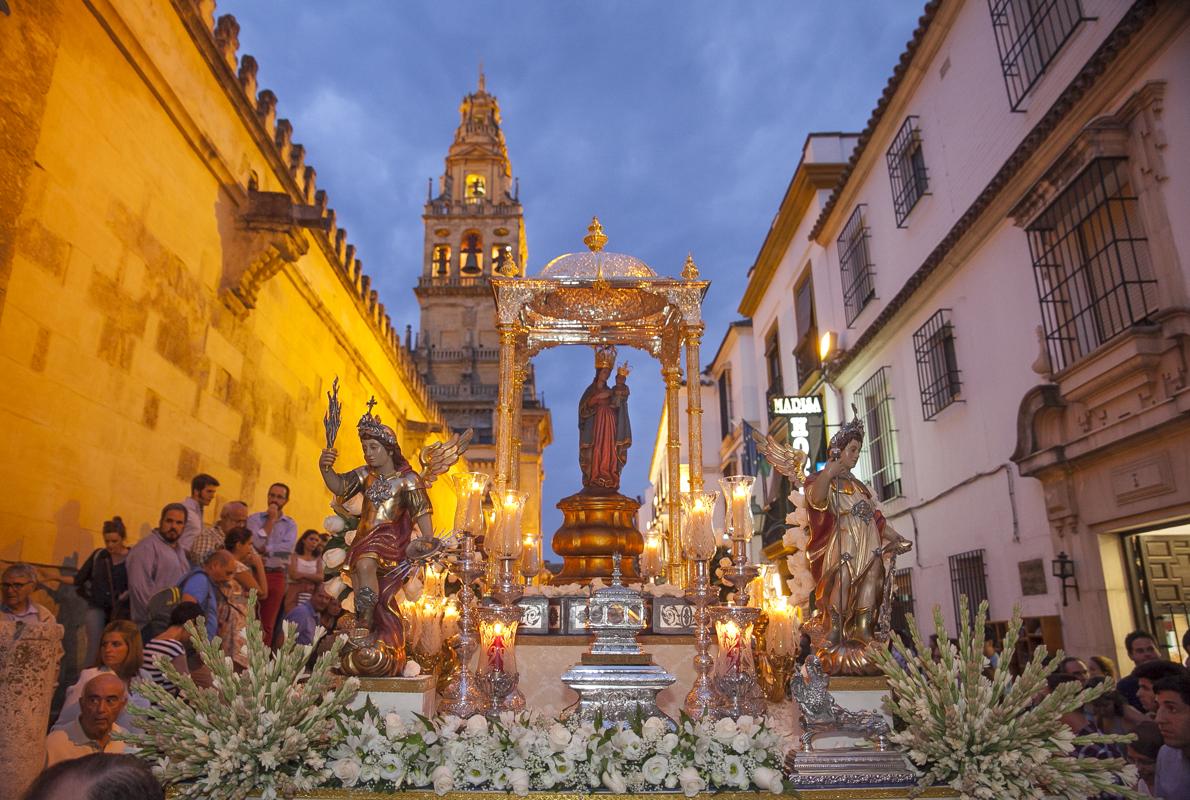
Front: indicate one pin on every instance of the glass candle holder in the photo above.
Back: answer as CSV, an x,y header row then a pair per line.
x,y
497,646
698,529
531,557
737,494
652,562
504,538
470,488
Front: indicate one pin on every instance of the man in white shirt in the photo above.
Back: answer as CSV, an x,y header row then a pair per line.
x,y
274,535
19,581
103,700
202,492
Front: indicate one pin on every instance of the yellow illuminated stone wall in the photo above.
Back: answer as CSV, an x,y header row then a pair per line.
x,y
130,133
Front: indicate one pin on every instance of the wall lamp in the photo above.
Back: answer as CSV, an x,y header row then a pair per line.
x,y
1063,569
826,345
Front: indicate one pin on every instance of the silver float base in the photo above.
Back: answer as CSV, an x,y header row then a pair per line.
x,y
616,695
848,766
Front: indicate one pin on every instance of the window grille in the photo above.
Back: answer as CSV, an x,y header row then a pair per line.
x,y
855,265
878,460
903,604
907,170
937,366
1029,33
1091,263
725,404
968,576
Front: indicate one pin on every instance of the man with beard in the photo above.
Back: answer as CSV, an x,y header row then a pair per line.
x,y
157,561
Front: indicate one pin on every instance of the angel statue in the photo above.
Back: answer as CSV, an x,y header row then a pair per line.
x,y
395,532
852,551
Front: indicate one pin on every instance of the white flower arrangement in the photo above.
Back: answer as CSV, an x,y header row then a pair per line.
x,y
797,538
985,737
261,731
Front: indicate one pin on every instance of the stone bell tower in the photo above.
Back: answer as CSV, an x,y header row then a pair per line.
x,y
474,228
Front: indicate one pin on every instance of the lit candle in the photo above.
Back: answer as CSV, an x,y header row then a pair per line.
x,y
698,530
738,491
731,644
778,636
496,646
650,558
450,620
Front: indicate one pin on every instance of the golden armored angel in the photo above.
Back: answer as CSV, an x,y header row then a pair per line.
x,y
395,531
852,552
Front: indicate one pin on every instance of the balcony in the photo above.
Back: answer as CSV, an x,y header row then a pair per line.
x,y
465,391
472,207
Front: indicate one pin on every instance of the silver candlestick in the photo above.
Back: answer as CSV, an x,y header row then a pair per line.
x,y
462,696
701,697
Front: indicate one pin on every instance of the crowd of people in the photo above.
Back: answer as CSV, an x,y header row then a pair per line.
x,y
139,600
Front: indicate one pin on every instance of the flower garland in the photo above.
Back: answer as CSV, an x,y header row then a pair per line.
x,y
521,752
797,538
985,737
257,731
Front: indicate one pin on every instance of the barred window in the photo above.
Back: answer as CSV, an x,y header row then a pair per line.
x,y
1029,33
968,576
937,367
903,604
1091,263
879,457
907,170
855,265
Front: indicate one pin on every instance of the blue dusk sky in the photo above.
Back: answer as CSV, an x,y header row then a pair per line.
x,y
678,124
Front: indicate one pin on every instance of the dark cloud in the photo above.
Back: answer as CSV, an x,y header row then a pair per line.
x,y
679,124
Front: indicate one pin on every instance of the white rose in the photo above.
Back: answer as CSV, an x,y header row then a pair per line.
x,y
346,770
741,743
334,524
747,725
519,781
412,669
653,728
614,782
769,779
442,780
725,730
690,781
628,743
668,743
654,769
394,725
559,737
477,725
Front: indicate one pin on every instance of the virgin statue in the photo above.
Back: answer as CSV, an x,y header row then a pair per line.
x,y
604,430
852,552
394,531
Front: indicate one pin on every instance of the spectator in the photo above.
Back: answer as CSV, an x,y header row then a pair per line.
x,y
305,570
202,492
1186,648
1141,648
18,583
232,515
1111,713
247,576
1147,675
120,653
171,644
1074,666
98,776
990,654
202,585
311,613
1142,753
103,700
1102,667
274,535
1173,720
103,582
157,561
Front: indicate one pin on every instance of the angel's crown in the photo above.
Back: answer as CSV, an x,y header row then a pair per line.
x,y
370,427
848,430
624,370
605,357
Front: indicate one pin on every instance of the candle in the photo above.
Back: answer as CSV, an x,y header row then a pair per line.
x,y
450,620
779,635
496,646
738,492
469,489
505,539
650,559
731,645
530,557
698,530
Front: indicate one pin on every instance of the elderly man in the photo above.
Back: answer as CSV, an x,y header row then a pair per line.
x,y
233,515
319,609
19,581
201,586
157,561
102,701
274,534
202,493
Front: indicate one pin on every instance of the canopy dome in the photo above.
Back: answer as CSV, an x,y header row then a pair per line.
x,y
590,266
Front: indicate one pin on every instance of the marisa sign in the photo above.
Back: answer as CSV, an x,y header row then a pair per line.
x,y
805,419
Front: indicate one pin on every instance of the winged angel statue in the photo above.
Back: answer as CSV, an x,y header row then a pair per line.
x,y
395,532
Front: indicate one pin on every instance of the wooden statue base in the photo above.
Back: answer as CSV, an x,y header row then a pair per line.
x,y
594,528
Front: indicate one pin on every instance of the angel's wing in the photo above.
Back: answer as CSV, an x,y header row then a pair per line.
x,y
437,458
789,461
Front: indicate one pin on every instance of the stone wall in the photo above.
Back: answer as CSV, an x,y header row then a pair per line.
x,y
175,294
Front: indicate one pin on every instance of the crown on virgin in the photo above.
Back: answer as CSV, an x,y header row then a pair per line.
x,y
605,357
856,426
370,427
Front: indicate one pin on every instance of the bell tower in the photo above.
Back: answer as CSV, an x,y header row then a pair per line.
x,y
474,228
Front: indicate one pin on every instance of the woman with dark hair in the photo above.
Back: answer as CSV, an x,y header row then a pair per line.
x,y
103,582
305,569
121,652
247,576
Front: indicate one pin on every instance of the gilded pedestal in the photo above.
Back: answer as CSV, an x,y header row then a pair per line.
x,y
594,528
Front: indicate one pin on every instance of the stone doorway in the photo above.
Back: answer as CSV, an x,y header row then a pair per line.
x,y
1159,583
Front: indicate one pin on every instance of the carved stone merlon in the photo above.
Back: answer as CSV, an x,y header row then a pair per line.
x,y
267,235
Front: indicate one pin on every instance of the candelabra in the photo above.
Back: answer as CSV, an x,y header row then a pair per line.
x,y
698,547
498,675
462,696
